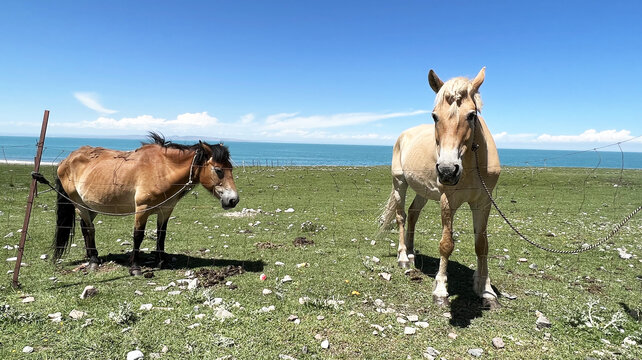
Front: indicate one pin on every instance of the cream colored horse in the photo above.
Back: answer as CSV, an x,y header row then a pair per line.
x,y
438,163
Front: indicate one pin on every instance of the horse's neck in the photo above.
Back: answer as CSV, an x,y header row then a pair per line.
x,y
181,164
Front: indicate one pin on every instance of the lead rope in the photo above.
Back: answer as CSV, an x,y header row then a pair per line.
x,y
41,179
582,249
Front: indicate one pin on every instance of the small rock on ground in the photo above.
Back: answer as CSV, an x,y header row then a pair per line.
x,y
135,355
27,349
498,343
325,344
477,352
409,330
88,292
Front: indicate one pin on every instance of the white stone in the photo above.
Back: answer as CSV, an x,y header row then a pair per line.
x,y
223,314
422,324
476,352
386,276
409,330
194,326
146,307
199,316
379,303
77,314
279,263
325,344
138,292
289,210
44,257
286,278
175,292
168,321
412,318
28,299
12,259
27,349
88,292
135,355
267,291
375,260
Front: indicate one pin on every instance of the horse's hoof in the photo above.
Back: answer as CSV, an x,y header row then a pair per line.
x,y
135,271
440,300
491,304
404,264
93,266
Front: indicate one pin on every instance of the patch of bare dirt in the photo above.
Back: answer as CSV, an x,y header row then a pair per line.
x,y
302,241
211,277
267,245
415,275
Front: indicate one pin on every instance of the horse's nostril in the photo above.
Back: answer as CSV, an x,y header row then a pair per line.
x,y
456,169
437,167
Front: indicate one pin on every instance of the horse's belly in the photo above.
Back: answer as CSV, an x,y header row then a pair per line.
x,y
107,198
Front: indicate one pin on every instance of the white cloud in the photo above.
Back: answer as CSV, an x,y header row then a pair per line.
x,y
182,123
292,121
247,118
90,100
590,135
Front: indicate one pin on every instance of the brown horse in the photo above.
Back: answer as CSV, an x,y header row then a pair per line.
x,y
438,163
149,180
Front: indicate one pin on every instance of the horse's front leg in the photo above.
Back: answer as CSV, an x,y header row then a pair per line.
x,y
446,246
139,234
399,193
481,280
161,233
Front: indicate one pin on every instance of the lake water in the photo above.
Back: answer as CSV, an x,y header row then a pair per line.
x,y
16,148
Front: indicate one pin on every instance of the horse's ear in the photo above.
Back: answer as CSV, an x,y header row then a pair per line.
x,y
434,81
478,80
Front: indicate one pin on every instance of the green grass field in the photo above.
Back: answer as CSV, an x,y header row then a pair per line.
x,y
593,300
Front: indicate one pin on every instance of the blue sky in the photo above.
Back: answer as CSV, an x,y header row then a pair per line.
x,y
560,74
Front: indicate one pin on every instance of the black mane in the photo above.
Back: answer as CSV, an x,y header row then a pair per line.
x,y
219,152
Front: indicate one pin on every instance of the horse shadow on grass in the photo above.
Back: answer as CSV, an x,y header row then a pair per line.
x,y
465,305
179,262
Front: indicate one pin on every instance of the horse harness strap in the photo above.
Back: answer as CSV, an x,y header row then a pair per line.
x,y
184,189
582,249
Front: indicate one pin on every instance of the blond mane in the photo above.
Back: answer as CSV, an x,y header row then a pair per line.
x,y
454,90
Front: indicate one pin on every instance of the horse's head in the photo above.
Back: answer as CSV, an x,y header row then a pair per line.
x,y
216,174
456,106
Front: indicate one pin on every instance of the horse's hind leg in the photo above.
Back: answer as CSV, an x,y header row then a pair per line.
x,y
139,234
89,234
446,246
481,280
413,215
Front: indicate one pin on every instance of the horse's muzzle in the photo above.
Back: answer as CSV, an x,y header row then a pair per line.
x,y
229,199
448,174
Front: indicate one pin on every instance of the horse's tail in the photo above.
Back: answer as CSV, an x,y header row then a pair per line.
x,y
388,215
65,221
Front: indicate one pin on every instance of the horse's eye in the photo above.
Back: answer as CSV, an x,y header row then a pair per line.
x,y
219,172
435,117
471,116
